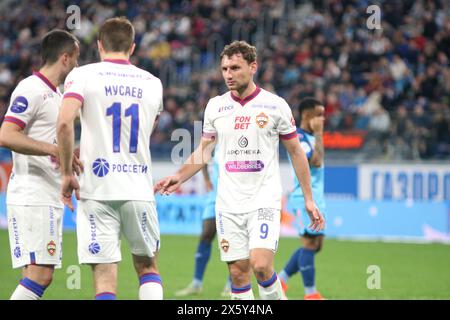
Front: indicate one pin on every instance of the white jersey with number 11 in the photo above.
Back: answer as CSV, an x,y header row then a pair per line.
x,y
120,105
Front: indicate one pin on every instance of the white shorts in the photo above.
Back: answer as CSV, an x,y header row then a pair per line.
x,y
239,233
35,235
99,225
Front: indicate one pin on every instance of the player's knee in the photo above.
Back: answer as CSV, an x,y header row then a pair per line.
x,y
238,278
262,270
207,236
44,279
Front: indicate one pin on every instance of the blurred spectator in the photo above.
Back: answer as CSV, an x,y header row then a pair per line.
x,y
394,83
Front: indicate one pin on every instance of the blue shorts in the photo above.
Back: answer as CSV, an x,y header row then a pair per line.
x,y
296,207
210,208
209,212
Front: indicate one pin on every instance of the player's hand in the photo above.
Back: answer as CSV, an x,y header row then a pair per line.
x,y
317,123
167,185
317,220
77,165
54,157
68,186
208,185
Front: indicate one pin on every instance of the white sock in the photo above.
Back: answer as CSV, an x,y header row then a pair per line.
x,y
270,289
243,293
151,291
197,283
150,287
22,293
310,290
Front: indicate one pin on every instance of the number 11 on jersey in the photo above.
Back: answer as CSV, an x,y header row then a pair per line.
x,y
115,110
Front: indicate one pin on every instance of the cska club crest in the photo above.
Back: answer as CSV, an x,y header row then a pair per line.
x,y
225,245
262,120
51,247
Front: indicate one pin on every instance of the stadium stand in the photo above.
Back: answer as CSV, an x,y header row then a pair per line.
x,y
392,84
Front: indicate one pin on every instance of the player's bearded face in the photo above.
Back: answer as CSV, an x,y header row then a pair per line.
x,y
237,72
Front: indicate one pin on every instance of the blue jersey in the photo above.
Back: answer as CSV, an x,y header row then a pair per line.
x,y
308,142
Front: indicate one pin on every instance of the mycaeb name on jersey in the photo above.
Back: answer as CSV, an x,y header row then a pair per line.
x,y
121,90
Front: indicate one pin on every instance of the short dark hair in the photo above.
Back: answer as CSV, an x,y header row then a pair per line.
x,y
248,51
116,35
307,104
55,43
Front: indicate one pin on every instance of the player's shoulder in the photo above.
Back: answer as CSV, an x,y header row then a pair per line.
x,y
146,76
273,98
31,86
85,70
219,101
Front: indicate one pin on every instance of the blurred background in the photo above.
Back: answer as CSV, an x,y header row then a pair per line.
x,y
386,92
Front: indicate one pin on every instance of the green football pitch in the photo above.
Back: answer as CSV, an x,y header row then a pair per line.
x,y
344,270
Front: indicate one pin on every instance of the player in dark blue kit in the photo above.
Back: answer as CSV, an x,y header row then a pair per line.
x,y
310,134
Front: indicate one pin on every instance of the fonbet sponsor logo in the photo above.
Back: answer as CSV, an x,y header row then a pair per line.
x,y
244,166
101,167
242,122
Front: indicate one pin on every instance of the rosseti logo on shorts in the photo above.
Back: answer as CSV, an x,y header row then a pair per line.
x,y
244,166
17,252
101,168
94,248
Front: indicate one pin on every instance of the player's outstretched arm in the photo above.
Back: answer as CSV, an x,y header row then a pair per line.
x,y
13,138
196,161
65,136
301,167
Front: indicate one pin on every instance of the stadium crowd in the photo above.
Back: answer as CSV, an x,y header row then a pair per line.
x,y
393,83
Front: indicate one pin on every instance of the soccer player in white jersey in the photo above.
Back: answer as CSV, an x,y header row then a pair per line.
x,y
34,209
246,123
119,104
